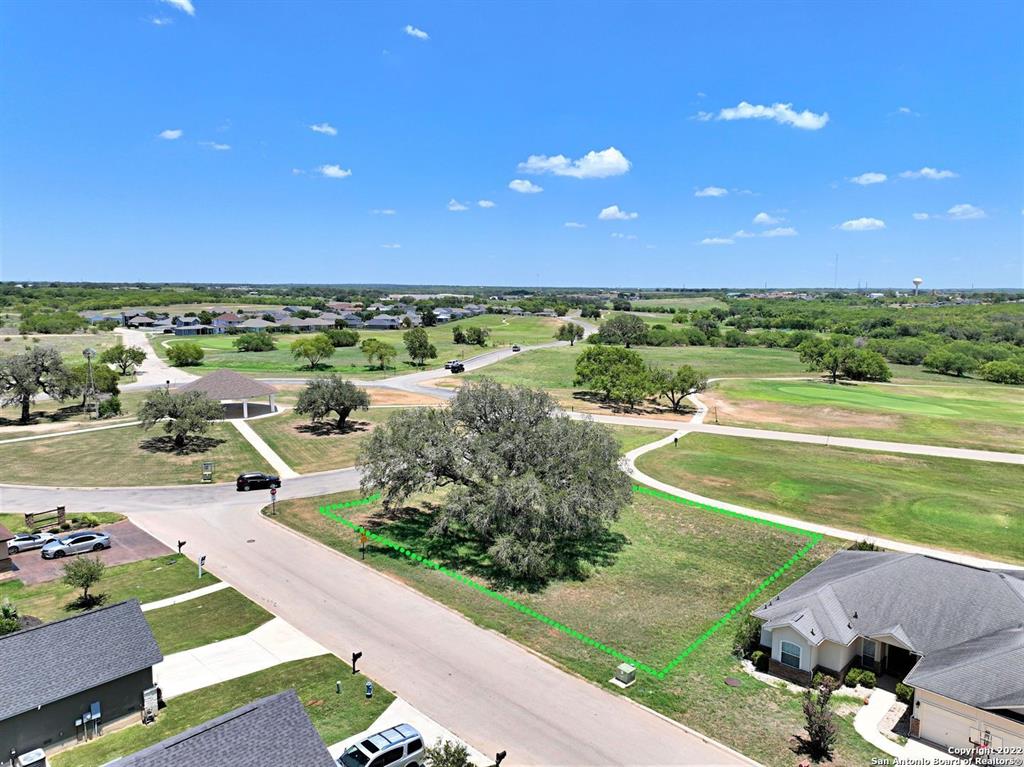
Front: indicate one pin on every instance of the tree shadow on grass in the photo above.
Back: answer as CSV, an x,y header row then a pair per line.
x,y
193,445
410,526
81,604
45,416
330,428
647,407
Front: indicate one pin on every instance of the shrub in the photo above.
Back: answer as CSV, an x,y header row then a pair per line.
x,y
748,635
88,520
254,342
185,354
1002,371
904,693
760,660
867,678
109,407
853,677
863,546
821,677
341,337
65,526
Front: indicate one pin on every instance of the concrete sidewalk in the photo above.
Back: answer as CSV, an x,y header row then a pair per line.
x,y
272,643
402,712
914,751
283,469
186,597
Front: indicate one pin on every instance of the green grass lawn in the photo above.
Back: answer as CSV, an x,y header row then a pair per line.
x,y
631,437
334,716
307,447
968,506
666,573
16,522
211,618
68,412
977,416
128,456
147,580
220,353
682,302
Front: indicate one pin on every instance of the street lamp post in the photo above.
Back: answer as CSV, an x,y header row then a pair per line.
x,y
89,353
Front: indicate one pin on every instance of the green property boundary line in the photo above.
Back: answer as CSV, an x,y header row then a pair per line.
x,y
812,540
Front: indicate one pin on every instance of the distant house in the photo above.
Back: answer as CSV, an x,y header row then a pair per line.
x,y
293,309
413,316
475,309
226,320
138,321
545,313
70,678
181,321
351,320
305,325
197,330
515,310
343,306
257,325
271,731
442,315
383,322
954,633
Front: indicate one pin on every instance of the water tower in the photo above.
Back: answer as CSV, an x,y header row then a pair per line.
x,y
917,284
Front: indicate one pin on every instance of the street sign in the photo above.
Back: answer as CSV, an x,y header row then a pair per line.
x,y
273,491
202,561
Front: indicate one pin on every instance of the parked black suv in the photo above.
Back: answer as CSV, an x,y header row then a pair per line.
x,y
255,480
457,367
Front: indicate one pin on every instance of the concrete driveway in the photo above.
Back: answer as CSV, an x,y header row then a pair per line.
x,y
129,544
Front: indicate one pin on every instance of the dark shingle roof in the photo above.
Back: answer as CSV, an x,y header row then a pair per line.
x,y
227,384
5,534
52,661
273,730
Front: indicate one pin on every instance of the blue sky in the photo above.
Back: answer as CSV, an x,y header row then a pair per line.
x,y
172,141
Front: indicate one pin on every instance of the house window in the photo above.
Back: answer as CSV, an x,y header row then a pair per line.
x,y
869,651
790,654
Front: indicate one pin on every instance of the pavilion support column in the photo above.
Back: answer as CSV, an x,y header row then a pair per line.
x,y
273,409
245,408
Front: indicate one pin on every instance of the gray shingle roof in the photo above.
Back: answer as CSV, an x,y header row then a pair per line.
x,y
272,731
52,661
227,384
958,617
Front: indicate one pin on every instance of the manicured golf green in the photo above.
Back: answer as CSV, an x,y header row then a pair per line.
x,y
504,331
969,506
977,416
665,575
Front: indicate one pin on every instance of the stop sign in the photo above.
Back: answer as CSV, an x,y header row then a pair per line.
x,y
273,491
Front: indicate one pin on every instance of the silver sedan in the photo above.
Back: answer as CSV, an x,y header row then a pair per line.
x,y
76,543
28,541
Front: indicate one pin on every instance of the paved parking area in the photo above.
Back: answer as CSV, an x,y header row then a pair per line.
x,y
130,544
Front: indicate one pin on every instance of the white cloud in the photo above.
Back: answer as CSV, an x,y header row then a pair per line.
x,y
716,241
703,117
966,211
932,174
711,191
455,206
781,231
383,211
298,172
486,203
906,111
325,128
523,186
391,245
419,34
574,225
862,224
161,21
614,213
765,219
172,135
780,113
607,162
921,216
617,235
333,171
215,146
742,234
866,179
183,5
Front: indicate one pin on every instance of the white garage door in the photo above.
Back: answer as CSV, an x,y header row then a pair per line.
x,y
944,727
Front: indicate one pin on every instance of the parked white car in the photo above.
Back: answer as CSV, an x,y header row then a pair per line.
x,y
400,746
76,543
28,541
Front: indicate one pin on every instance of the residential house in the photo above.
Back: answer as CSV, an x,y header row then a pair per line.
x,y
954,633
138,321
545,313
475,310
180,321
414,318
273,731
71,678
307,324
383,322
226,320
197,330
351,320
256,324
516,310
442,315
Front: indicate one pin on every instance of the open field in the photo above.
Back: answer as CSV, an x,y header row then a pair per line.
x,y
69,346
128,456
310,447
147,580
976,416
211,618
682,302
334,716
220,353
967,506
665,574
